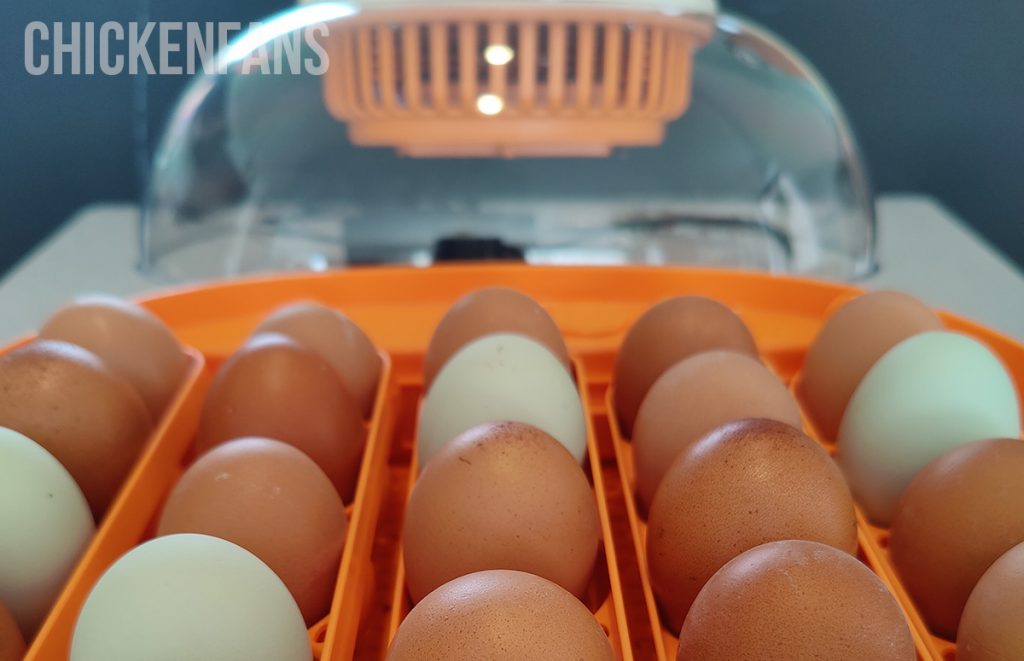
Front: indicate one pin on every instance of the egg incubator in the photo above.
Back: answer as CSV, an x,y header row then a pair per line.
x,y
562,222
778,323
576,132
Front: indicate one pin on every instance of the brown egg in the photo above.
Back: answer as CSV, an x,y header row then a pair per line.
x,y
670,331
990,628
485,312
501,496
275,388
695,396
12,645
744,484
129,339
275,502
68,401
961,512
338,341
500,615
799,601
849,344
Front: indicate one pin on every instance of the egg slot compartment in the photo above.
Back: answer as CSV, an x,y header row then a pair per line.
x,y
134,517
869,551
603,595
873,550
128,515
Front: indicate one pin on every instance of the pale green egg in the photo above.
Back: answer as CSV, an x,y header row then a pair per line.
x,y
926,395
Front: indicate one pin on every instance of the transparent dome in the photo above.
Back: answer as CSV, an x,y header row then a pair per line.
x,y
554,132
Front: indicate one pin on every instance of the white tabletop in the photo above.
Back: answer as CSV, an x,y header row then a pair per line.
x,y
923,250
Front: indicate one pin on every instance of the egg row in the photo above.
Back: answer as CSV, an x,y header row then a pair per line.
x,y
501,531
77,407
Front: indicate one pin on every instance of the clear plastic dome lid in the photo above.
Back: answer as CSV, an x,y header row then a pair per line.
x,y
554,132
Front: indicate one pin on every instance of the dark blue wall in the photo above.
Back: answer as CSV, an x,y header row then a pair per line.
x,y
934,89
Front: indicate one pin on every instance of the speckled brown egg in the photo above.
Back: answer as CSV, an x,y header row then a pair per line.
x,y
129,339
990,628
669,332
273,501
337,339
12,645
66,399
486,312
746,483
849,344
275,388
961,512
799,601
501,496
695,396
497,615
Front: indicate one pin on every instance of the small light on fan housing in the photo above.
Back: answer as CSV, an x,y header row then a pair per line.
x,y
489,104
499,54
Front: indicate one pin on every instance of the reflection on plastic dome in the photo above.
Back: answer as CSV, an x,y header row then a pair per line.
x,y
590,137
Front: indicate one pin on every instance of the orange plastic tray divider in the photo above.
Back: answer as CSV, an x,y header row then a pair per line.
x,y
355,572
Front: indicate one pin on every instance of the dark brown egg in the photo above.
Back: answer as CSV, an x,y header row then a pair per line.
x,y
500,614
695,396
337,339
990,628
133,343
501,496
486,312
12,645
273,501
744,484
961,512
66,399
849,344
799,601
671,331
275,388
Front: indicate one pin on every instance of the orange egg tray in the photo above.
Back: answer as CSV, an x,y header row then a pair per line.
x,y
399,309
